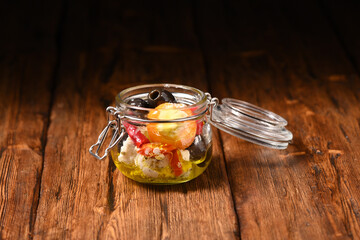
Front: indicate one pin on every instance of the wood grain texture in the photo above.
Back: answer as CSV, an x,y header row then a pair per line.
x,y
83,198
63,62
288,65
27,65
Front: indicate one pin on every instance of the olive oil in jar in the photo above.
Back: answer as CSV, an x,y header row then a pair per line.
x,y
192,169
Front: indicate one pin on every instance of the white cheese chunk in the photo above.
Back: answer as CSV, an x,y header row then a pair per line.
x,y
128,152
185,154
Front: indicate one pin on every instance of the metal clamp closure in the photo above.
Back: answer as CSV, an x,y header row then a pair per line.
x,y
114,124
213,102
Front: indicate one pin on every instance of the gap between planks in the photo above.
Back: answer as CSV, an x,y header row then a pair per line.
x,y
53,85
209,87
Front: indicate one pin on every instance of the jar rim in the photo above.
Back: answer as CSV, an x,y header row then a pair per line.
x,y
120,96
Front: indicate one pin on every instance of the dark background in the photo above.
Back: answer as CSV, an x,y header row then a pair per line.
x,y
264,29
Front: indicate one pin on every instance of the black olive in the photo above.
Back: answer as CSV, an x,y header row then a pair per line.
x,y
197,149
138,102
151,103
167,96
154,97
157,97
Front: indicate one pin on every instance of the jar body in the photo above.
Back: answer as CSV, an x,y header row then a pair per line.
x,y
157,168
162,133
167,152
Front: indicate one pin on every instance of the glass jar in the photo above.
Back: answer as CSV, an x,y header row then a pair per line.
x,y
172,142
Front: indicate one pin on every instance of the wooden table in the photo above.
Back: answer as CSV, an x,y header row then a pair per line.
x,y
63,62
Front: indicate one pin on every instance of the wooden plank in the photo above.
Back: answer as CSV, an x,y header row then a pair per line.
x,y
275,56
27,64
69,176
126,44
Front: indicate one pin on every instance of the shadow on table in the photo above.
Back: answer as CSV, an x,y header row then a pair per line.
x,y
252,156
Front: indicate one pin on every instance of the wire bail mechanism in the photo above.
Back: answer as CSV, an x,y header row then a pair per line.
x,y
114,124
249,122
213,102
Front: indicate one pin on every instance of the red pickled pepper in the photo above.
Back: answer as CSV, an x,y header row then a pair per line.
x,y
135,134
199,127
199,123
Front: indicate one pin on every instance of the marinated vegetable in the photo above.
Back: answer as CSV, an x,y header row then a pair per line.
x,y
169,152
138,102
135,134
179,134
197,149
157,97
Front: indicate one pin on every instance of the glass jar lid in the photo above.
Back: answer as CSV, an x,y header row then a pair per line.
x,y
250,122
